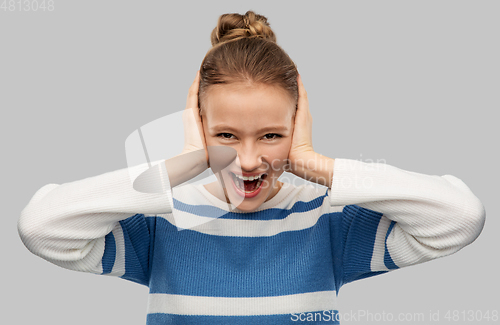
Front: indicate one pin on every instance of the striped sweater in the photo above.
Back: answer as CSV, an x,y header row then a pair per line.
x,y
276,265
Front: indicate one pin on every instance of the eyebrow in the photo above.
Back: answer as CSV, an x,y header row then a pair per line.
x,y
266,129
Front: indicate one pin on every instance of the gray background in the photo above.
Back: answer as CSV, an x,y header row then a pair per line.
x,y
413,83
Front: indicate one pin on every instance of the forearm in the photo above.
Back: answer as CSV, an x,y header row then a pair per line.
x,y
68,222
314,168
434,215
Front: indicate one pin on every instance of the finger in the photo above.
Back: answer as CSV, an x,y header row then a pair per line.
x,y
300,84
302,92
192,99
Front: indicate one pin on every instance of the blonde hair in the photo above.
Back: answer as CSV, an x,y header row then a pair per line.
x,y
244,51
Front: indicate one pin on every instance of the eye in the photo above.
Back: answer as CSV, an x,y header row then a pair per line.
x,y
225,135
273,136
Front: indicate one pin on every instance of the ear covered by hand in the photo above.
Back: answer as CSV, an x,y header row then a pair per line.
x,y
194,136
302,132
216,157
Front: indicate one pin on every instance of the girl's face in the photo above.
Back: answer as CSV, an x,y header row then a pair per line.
x,y
256,121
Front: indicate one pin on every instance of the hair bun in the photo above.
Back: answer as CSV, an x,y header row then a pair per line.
x,y
235,26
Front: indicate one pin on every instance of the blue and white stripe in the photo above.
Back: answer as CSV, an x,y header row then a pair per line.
x,y
263,265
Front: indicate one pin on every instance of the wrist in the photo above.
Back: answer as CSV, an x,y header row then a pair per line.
x,y
313,167
185,166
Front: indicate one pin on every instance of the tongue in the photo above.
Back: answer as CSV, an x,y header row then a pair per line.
x,y
250,185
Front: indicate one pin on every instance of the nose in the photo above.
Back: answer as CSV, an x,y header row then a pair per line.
x,y
249,157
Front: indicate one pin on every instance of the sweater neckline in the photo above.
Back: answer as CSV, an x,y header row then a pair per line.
x,y
284,191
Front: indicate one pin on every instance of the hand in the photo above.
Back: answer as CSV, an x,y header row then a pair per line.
x,y
194,136
302,132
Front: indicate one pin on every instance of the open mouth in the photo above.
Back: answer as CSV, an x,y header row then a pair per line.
x,y
248,186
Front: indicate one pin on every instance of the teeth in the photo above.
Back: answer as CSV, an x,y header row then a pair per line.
x,y
251,178
243,189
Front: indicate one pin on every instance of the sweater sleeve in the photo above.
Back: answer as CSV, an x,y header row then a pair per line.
x,y
96,224
394,218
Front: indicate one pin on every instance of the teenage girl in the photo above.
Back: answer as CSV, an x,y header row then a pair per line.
x,y
247,248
